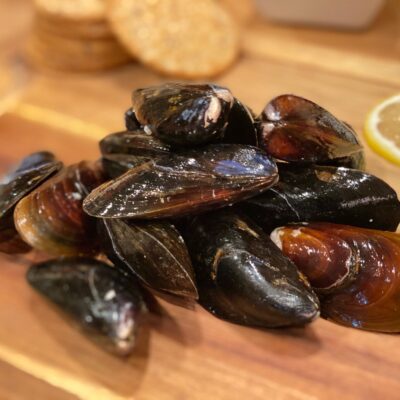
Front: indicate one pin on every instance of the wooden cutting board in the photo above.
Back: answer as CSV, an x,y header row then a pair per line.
x,y
189,354
182,354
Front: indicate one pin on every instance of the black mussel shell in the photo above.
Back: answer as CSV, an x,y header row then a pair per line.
x,y
115,165
191,182
184,114
136,143
21,182
105,303
242,126
243,277
297,130
10,241
329,194
131,122
154,251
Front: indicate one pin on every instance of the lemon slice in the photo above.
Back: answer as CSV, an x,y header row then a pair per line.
x,y
382,129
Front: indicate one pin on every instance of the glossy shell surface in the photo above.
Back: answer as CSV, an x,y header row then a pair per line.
x,y
184,114
297,130
186,183
51,218
154,251
356,271
102,301
243,277
330,194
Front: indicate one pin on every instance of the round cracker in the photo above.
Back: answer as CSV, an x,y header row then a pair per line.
x,y
190,39
73,9
75,55
73,29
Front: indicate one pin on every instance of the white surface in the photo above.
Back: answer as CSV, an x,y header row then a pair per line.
x,y
353,14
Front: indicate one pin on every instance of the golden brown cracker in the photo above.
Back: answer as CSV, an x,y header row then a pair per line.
x,y
80,10
191,39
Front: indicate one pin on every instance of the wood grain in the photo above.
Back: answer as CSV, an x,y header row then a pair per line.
x,y
189,354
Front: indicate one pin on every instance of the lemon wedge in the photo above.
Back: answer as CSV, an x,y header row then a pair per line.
x,y
382,129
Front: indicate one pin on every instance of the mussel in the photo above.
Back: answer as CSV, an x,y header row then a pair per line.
x,y
242,127
186,183
184,114
122,151
106,304
356,271
297,130
51,218
154,251
242,276
131,122
30,173
329,194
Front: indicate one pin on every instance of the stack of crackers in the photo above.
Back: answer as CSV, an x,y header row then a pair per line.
x,y
181,38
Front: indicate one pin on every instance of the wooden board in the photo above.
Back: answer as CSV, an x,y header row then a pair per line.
x,y
189,354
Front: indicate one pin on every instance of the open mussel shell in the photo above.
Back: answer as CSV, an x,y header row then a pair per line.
x,y
154,251
297,130
131,122
184,114
186,183
326,194
51,218
355,270
242,276
242,126
106,304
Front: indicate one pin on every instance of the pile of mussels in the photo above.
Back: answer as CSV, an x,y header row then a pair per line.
x,y
266,221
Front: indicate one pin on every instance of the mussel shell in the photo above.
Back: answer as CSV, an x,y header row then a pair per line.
x,y
51,218
357,271
107,305
297,130
137,143
242,127
10,241
354,161
154,251
242,277
184,114
21,182
187,183
131,122
329,194
115,165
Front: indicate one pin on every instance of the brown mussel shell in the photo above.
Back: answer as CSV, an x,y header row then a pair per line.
x,y
102,301
325,194
154,251
186,183
10,241
131,122
32,171
184,114
51,218
242,126
297,130
242,276
355,270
